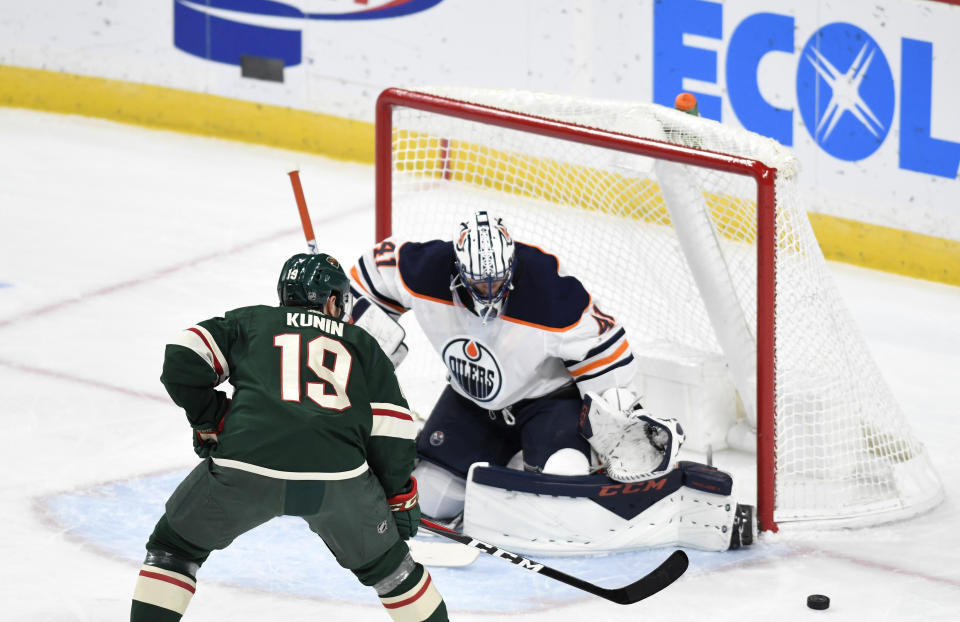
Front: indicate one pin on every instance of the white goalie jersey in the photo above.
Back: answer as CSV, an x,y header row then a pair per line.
x,y
550,330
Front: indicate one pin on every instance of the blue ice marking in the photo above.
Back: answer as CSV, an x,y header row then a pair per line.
x,y
285,557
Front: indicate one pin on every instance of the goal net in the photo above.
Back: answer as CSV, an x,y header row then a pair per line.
x,y
694,236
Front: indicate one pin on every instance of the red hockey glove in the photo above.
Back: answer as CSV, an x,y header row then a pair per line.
x,y
406,510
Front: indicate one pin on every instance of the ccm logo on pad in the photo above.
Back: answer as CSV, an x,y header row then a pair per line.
x,y
625,489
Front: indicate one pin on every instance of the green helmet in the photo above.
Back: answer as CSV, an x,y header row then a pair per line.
x,y
309,280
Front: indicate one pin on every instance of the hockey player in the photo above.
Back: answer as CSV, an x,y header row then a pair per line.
x,y
317,427
522,340
535,366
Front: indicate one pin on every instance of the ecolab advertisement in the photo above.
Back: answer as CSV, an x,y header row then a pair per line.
x,y
864,91
846,91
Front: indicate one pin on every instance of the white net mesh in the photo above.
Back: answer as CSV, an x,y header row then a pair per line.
x,y
671,252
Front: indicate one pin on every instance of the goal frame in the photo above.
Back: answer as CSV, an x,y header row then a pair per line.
x,y
764,176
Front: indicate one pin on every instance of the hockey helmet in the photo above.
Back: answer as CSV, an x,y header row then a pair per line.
x,y
485,260
309,280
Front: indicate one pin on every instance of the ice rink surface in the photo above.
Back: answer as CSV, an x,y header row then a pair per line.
x,y
113,238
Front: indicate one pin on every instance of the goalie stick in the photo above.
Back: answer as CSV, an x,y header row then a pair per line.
x,y
663,575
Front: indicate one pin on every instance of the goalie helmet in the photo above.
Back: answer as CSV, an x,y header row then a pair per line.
x,y
309,281
485,261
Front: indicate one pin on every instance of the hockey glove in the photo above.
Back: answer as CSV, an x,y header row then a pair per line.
x,y
666,436
406,510
633,444
388,333
206,438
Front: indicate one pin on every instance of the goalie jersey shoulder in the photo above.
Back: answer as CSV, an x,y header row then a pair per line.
x,y
543,296
426,269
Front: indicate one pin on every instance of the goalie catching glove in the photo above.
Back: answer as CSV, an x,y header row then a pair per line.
x,y
406,510
632,444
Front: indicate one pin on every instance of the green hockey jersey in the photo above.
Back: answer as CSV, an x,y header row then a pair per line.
x,y
313,397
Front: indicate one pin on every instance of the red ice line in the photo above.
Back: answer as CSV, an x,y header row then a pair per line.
x,y
86,381
109,289
153,276
802,550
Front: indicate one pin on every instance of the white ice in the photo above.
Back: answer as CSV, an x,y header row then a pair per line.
x,y
113,238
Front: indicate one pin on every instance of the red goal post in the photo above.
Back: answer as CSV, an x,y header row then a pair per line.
x,y
440,166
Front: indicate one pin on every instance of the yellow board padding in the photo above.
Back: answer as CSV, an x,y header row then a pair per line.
x,y
554,181
529,176
872,246
187,111
890,250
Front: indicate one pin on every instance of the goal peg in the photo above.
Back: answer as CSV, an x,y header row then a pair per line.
x,y
687,102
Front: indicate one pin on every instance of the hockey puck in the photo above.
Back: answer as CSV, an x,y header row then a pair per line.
x,y
818,601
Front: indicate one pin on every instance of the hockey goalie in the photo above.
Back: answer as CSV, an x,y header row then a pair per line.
x,y
537,442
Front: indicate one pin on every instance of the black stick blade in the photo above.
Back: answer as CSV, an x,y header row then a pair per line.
x,y
666,573
660,577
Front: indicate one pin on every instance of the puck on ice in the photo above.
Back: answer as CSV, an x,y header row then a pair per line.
x,y
818,601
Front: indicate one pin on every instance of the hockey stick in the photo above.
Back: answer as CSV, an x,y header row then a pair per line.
x,y
448,554
304,214
426,553
662,576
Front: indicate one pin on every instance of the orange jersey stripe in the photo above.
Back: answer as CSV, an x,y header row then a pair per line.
x,y
424,296
604,361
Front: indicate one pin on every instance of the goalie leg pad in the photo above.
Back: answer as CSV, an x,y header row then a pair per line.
x,y
593,514
441,492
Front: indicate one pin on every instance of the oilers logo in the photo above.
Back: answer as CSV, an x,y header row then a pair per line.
x,y
473,367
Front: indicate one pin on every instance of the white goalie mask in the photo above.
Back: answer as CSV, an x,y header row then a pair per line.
x,y
485,261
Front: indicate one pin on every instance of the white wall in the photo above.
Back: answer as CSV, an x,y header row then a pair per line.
x,y
745,58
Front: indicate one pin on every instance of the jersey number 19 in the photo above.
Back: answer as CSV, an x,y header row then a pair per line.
x,y
335,376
